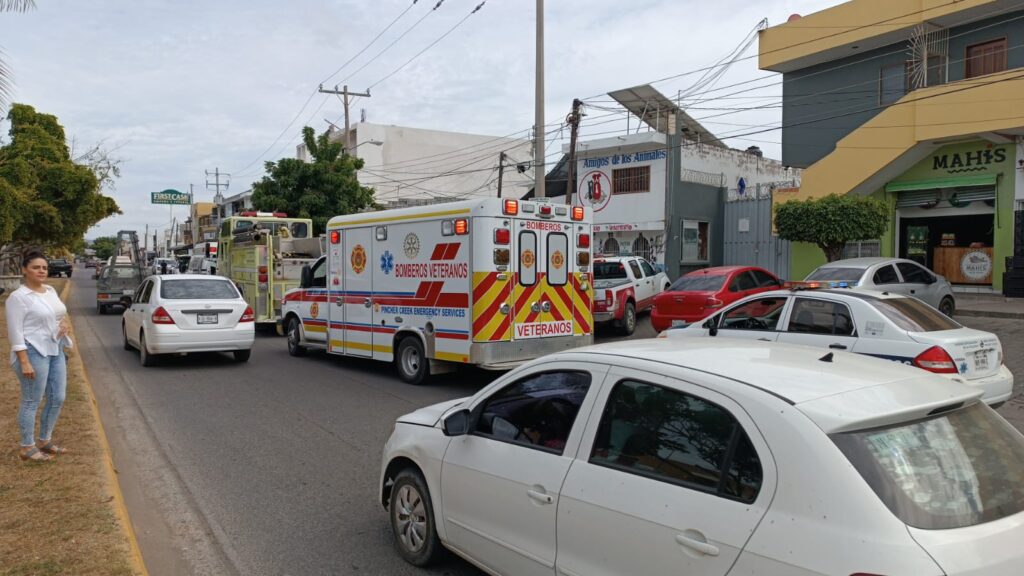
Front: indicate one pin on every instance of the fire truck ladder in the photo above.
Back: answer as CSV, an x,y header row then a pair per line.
x,y
135,256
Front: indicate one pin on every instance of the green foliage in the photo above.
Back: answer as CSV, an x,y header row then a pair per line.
x,y
45,197
104,247
832,221
320,189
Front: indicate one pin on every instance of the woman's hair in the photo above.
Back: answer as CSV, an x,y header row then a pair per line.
x,y
30,255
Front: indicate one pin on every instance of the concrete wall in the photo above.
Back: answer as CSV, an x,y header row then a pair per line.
x,y
733,165
704,203
824,103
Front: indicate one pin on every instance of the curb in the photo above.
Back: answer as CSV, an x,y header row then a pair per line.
x,y
990,314
121,510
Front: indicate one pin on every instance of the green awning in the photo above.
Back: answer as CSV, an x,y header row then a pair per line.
x,y
938,183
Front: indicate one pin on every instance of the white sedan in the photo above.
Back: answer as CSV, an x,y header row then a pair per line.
x,y
710,457
881,324
183,313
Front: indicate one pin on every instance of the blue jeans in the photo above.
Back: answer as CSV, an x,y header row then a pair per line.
x,y
51,381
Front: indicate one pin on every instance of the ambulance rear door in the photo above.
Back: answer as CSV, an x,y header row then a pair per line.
x,y
543,303
358,291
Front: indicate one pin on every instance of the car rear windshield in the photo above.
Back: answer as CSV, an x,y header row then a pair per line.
x,y
198,290
954,470
913,315
837,273
124,272
609,271
698,283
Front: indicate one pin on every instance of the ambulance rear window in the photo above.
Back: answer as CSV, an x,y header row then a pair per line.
x,y
527,258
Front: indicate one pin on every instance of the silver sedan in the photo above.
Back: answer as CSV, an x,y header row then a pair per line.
x,y
895,275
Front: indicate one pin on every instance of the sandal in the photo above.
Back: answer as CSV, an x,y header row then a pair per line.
x,y
35,455
51,448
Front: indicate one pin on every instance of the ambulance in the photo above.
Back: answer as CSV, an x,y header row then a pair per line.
x,y
487,282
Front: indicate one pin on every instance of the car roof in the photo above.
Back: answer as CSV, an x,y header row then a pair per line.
x,y
178,277
720,270
864,262
838,390
615,258
858,293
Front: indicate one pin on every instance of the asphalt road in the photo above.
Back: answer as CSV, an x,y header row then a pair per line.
x,y
271,467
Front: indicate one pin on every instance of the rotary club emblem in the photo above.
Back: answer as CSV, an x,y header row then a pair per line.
x,y
314,310
528,259
358,259
558,259
411,246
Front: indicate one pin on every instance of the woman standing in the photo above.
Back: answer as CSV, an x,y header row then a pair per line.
x,y
38,329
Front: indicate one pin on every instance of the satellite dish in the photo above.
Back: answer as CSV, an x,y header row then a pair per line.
x,y
793,17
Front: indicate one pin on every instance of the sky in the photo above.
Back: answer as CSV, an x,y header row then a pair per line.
x,y
181,88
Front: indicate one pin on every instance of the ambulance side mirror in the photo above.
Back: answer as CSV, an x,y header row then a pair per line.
x,y
307,277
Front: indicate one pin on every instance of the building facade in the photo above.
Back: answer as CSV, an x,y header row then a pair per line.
x,y
924,113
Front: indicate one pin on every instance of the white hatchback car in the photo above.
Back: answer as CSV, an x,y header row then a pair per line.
x,y
184,313
708,457
888,326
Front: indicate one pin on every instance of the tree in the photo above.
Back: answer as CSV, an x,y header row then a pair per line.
x,y
5,73
104,247
320,189
45,197
832,221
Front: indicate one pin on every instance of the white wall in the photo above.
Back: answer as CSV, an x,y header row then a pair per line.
x,y
733,165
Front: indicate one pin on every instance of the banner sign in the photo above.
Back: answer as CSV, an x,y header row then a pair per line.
x,y
171,197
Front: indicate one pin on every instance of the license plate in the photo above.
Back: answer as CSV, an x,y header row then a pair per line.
x,y
981,360
206,319
129,292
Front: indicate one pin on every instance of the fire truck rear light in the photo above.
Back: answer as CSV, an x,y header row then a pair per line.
x,y
583,258
583,241
577,212
335,237
263,269
263,278
502,256
502,235
462,226
545,211
511,207
937,360
160,316
248,315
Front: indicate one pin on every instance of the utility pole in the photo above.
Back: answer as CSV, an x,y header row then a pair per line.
x,y
344,93
501,170
538,108
573,121
217,184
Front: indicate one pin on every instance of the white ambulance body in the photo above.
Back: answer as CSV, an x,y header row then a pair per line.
x,y
488,282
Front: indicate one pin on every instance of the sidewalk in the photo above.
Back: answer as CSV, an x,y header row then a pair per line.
x,y
989,305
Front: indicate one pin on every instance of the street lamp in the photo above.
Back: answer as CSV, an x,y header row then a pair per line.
x,y
374,142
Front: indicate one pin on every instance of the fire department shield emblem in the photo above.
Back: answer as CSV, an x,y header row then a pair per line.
x,y
558,259
314,310
528,258
358,259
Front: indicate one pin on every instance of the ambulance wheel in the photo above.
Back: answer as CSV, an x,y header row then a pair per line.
x,y
629,319
412,364
294,335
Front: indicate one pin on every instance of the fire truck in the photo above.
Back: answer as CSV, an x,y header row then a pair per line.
x,y
487,282
264,253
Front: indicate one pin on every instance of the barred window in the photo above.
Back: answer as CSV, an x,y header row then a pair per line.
x,y
862,249
631,180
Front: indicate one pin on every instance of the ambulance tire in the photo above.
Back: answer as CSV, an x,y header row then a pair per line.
x,y
411,361
294,335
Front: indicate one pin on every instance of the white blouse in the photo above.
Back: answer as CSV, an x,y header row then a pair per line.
x,y
34,318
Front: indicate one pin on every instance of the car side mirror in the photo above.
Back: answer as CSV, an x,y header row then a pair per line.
x,y
307,277
712,326
457,423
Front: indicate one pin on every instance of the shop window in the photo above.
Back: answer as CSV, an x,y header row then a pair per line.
x,y
863,249
642,247
631,180
892,83
985,58
696,235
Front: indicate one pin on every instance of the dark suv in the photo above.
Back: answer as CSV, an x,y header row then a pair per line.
x,y
58,267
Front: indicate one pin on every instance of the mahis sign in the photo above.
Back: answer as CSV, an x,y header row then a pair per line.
x,y
171,197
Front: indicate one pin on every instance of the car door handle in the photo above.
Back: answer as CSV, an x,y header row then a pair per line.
x,y
538,496
765,339
702,547
837,346
913,291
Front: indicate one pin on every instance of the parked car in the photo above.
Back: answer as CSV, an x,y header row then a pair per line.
x,y
889,275
656,457
58,267
116,283
625,286
164,266
888,326
90,262
188,313
700,293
